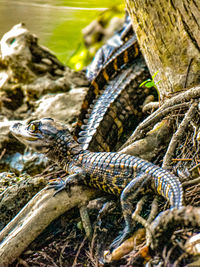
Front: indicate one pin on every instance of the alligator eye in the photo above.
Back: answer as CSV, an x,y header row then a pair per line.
x,y
32,127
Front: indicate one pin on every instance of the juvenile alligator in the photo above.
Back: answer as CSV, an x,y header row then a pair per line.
x,y
124,54
119,107
110,48
115,173
114,100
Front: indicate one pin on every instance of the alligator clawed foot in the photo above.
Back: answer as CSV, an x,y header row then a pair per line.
x,y
119,239
58,186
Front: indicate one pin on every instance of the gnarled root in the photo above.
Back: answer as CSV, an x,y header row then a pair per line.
x,y
171,220
175,103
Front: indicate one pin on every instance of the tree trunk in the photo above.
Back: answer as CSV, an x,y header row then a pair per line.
x,y
168,33
169,36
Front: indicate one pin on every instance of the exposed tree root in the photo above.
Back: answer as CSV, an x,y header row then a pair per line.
x,y
34,218
171,220
179,101
178,135
160,233
154,230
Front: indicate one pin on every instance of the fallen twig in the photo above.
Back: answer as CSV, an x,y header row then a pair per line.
x,y
178,135
176,102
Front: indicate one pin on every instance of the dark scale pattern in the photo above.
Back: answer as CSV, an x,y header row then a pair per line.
x,y
115,170
119,106
124,54
122,175
109,48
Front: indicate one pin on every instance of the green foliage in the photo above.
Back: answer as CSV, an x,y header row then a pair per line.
x,y
80,58
150,82
87,4
80,226
83,55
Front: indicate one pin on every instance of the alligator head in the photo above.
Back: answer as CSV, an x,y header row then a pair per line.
x,y
45,136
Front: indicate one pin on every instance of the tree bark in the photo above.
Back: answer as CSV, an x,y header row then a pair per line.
x,y
168,32
169,36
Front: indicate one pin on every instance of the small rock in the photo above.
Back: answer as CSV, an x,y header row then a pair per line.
x,y
62,107
6,140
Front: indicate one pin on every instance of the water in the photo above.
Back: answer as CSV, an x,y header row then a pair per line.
x,y
57,23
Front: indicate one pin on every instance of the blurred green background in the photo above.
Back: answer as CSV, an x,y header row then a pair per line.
x,y
57,23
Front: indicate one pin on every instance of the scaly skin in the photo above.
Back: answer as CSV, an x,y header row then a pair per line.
x,y
110,49
114,99
119,107
112,172
124,54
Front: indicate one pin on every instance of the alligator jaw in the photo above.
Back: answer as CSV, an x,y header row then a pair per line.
x,y
40,135
34,141
19,131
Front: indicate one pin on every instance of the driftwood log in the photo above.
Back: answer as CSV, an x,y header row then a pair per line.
x,y
35,217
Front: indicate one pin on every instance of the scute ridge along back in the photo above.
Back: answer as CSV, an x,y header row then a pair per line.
x,y
114,100
117,108
122,56
110,48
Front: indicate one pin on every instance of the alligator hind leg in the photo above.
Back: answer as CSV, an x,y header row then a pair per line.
x,y
127,196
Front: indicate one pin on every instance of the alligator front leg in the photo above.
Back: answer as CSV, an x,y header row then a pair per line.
x,y
76,178
127,196
72,180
